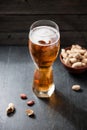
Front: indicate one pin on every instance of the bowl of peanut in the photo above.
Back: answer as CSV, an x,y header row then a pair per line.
x,y
74,58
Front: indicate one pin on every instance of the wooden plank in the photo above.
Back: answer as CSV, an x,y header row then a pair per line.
x,y
17,23
67,38
75,37
65,110
43,7
13,38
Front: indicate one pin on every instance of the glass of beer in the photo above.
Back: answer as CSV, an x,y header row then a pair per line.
x,y
44,45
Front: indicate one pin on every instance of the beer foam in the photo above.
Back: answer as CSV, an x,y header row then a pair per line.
x,y
44,33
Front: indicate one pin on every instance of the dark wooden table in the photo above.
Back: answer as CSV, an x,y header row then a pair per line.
x,y
65,110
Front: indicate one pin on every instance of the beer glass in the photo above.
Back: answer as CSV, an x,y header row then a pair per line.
x,y
44,45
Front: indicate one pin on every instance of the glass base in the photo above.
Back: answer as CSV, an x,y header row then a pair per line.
x,y
45,94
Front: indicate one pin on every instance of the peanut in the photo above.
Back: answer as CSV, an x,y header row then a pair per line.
x,y
84,60
85,54
75,57
76,64
67,61
10,108
82,51
76,87
71,55
73,60
63,50
23,96
30,103
76,46
29,112
64,54
68,51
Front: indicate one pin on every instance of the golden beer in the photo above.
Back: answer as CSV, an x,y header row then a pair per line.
x,y
44,45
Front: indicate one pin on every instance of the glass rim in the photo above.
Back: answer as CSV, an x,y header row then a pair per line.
x,y
54,26
45,20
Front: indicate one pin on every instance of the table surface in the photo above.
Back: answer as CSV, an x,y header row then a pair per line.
x,y
65,110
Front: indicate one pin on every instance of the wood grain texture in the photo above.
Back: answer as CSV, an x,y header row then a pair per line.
x,y
16,16
65,110
43,7
22,23
67,38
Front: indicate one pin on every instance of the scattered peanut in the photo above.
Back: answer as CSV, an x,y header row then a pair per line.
x,y
75,57
29,112
23,96
30,103
76,87
10,108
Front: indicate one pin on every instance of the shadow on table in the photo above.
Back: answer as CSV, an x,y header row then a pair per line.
x,y
68,110
80,77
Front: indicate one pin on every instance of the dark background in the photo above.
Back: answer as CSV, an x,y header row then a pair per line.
x,y
66,109
16,16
